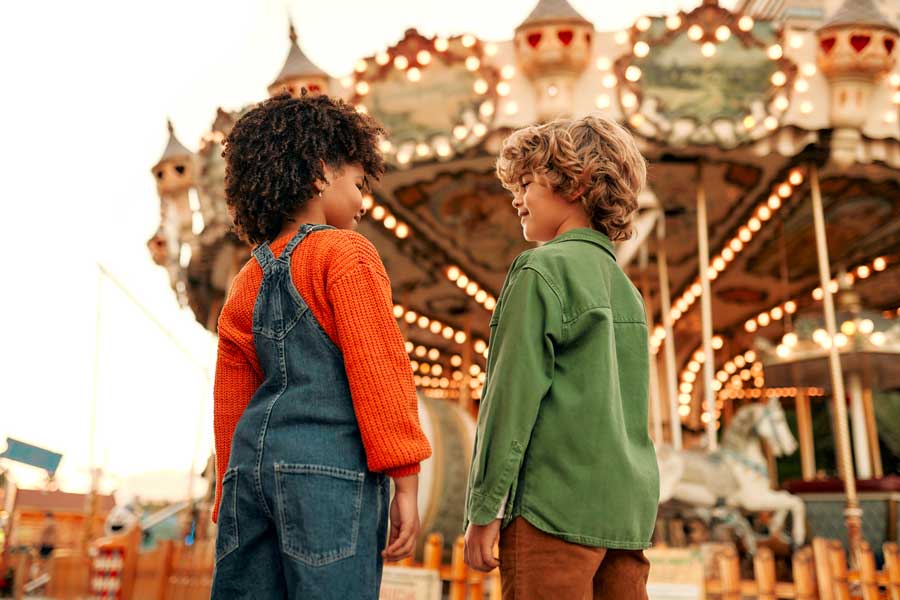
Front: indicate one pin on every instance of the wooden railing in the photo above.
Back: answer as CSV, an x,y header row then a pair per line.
x,y
154,568
820,572
464,583
70,572
174,571
190,573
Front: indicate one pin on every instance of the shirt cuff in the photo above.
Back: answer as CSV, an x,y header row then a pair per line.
x,y
482,506
404,470
501,512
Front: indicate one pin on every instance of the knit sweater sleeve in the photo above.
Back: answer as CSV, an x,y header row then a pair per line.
x,y
376,363
238,376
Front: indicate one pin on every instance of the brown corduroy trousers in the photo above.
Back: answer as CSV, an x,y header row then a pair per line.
x,y
538,566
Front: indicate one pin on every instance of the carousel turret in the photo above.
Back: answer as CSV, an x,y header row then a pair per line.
x,y
857,48
175,174
299,72
553,47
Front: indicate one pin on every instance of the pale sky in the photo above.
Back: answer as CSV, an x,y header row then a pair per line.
x,y
87,87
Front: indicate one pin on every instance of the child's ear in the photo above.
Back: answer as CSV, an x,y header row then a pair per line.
x,y
328,174
328,171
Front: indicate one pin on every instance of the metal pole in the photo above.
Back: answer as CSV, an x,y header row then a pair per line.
x,y
665,310
706,311
106,274
852,511
201,425
465,389
872,432
805,430
655,404
147,313
201,422
858,421
92,494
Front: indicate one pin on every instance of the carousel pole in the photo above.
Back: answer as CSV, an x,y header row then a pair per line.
x,y
805,430
872,433
655,404
665,310
465,389
706,310
852,510
859,427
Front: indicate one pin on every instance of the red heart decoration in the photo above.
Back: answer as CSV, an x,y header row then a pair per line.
x,y
860,41
889,44
534,39
827,44
313,88
565,36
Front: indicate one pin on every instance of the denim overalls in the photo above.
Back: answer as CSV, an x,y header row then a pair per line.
x,y
301,514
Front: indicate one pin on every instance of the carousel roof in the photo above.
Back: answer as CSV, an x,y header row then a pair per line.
x,y
297,63
552,10
174,149
858,12
750,106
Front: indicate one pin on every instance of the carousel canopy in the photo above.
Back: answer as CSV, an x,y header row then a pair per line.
x,y
717,100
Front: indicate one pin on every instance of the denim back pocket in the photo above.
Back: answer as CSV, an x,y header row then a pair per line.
x,y
318,509
227,539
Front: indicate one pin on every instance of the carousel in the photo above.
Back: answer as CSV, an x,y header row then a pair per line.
x,y
766,245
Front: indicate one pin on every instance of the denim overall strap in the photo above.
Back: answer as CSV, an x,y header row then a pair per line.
x,y
304,230
263,255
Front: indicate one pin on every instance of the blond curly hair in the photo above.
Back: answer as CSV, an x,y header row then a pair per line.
x,y
593,160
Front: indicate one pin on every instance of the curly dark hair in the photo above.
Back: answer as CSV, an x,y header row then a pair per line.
x,y
275,153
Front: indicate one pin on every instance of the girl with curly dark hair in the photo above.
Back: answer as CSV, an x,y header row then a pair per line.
x,y
315,405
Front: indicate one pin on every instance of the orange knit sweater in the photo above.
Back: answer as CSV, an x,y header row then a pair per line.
x,y
341,277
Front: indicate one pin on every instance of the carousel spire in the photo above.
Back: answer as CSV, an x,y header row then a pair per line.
x,y
297,64
553,10
174,149
298,71
859,13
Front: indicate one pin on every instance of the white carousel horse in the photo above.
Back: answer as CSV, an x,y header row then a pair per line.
x,y
737,474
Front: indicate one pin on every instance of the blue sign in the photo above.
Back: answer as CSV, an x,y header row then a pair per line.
x,y
31,455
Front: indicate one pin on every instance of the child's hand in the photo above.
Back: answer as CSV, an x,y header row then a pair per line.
x,y
480,542
404,519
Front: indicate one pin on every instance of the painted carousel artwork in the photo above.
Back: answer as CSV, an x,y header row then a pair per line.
x,y
767,249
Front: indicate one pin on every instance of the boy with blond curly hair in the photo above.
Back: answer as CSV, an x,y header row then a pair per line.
x,y
563,460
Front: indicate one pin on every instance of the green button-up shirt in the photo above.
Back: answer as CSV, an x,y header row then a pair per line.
x,y
562,426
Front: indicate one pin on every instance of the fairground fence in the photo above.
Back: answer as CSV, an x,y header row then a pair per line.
x,y
175,571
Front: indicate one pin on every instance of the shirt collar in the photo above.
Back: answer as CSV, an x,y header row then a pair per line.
x,y
591,236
